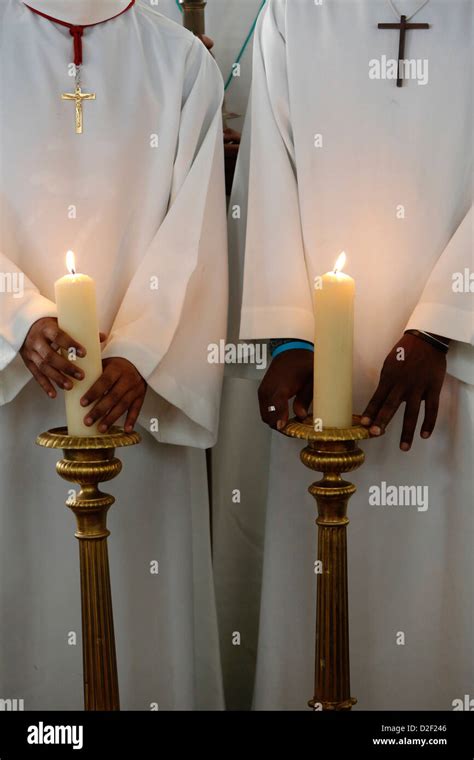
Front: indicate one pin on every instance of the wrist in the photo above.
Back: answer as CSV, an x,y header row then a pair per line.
x,y
280,345
441,338
436,341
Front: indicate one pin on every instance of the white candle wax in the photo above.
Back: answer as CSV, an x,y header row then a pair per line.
x,y
333,348
77,316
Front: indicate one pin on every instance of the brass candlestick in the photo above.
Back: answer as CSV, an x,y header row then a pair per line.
x,y
332,451
89,461
194,15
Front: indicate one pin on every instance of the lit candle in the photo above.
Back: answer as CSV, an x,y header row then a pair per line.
x,y
333,348
77,316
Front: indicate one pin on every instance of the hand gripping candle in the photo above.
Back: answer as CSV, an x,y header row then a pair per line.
x,y
333,348
77,316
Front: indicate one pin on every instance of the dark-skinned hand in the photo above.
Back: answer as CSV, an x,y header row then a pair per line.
x,y
416,378
207,41
119,390
40,353
289,375
232,140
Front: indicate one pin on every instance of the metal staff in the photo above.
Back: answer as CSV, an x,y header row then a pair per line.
x,y
194,15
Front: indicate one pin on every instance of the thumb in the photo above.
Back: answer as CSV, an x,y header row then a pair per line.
x,y
303,400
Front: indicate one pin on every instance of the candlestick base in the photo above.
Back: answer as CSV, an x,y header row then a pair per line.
x,y
331,451
89,461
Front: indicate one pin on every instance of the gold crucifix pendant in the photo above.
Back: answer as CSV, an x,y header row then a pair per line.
x,y
78,96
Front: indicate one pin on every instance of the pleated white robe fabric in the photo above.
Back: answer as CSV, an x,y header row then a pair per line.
x,y
139,197
228,22
340,161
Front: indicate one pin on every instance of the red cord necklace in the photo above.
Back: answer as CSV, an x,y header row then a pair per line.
x,y
76,31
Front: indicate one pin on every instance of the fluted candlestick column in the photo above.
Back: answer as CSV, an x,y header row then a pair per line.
x,y
89,461
332,670
331,451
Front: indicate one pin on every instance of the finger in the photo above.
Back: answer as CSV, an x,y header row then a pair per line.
x,y
431,414
118,410
386,411
303,400
274,410
410,418
51,372
133,414
55,335
208,42
108,401
232,134
375,403
102,337
41,379
53,359
103,385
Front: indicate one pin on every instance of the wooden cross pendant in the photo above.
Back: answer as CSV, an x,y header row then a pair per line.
x,y
78,96
403,26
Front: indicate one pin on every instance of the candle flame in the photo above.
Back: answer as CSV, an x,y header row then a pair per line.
x,y
71,262
340,263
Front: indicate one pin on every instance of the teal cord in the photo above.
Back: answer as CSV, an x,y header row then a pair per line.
x,y
231,77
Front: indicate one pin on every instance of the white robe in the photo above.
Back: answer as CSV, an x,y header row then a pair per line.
x,y
131,211
382,147
228,22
